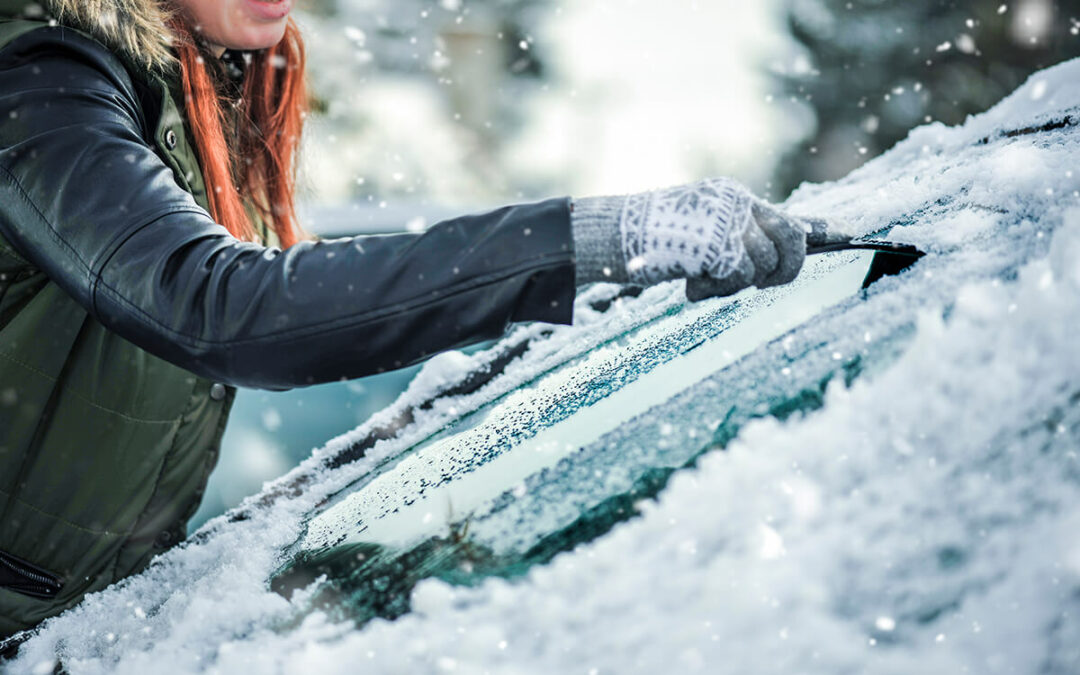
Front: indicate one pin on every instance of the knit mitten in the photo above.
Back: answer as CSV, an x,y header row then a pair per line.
x,y
715,233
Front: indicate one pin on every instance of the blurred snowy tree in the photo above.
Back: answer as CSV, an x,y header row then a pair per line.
x,y
872,69
414,98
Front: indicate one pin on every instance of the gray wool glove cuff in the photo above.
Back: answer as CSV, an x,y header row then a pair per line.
x,y
597,239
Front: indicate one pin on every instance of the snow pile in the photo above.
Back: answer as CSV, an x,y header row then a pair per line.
x,y
925,520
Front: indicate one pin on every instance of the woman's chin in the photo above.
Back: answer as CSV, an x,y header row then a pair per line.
x,y
253,39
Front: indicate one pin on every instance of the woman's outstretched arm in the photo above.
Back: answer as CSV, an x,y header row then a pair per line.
x,y
85,198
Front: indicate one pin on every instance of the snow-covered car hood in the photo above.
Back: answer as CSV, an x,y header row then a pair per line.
x,y
874,481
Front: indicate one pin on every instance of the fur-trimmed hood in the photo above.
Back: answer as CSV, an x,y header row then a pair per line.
x,y
136,29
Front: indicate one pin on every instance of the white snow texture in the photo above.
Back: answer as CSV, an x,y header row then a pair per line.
x,y
926,519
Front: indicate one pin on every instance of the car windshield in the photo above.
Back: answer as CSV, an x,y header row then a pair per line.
x,y
562,457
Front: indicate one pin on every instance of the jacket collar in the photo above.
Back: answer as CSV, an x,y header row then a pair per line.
x,y
136,29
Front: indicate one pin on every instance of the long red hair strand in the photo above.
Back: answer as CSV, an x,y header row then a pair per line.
x,y
257,168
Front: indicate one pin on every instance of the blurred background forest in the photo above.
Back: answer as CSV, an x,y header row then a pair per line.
x,y
425,109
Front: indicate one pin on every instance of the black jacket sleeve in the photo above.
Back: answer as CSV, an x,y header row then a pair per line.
x,y
84,197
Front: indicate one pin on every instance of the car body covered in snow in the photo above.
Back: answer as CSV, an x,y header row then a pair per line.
x,y
831,476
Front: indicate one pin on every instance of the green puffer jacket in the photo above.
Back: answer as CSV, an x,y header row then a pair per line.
x,y
104,448
127,316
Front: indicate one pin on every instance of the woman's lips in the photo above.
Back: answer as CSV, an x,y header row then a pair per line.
x,y
269,10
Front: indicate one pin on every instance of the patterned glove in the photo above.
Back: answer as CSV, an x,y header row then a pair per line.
x,y
715,233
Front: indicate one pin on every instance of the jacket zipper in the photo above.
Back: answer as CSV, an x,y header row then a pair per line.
x,y
22,577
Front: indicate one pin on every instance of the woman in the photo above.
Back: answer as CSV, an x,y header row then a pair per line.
x,y
150,261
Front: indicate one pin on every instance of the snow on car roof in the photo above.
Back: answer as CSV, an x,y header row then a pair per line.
x,y
922,515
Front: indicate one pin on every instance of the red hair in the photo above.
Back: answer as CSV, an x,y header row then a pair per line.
x,y
257,167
